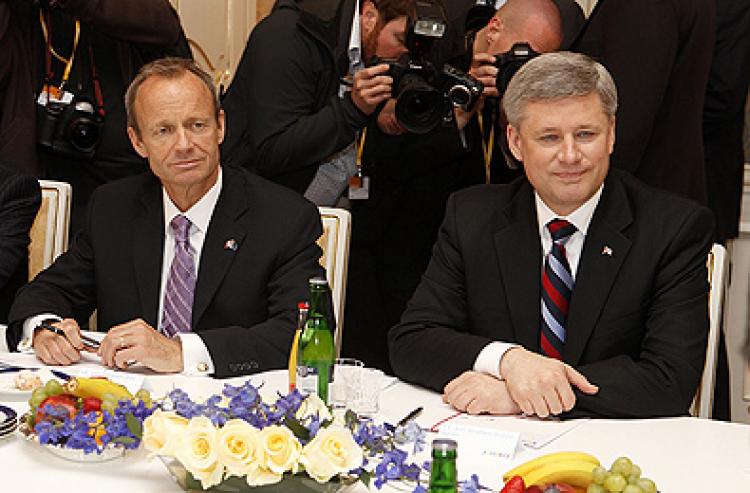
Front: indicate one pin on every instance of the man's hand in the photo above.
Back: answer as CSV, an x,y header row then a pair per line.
x,y
541,385
55,349
478,393
371,87
138,341
387,120
483,69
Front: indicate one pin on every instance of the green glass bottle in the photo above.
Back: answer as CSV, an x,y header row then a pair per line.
x,y
316,349
443,475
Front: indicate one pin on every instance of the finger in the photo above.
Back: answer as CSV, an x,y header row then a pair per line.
x,y
72,332
567,397
477,406
539,406
554,403
57,351
577,379
125,357
42,351
380,80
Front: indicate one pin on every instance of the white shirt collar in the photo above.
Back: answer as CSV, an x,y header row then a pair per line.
x,y
580,218
355,42
200,213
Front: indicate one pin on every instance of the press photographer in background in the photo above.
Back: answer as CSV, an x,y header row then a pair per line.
x,y
412,174
84,52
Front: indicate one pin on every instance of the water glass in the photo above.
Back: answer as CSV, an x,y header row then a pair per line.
x,y
345,375
365,399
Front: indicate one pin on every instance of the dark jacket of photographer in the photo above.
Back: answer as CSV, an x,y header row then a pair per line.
x,y
284,115
122,35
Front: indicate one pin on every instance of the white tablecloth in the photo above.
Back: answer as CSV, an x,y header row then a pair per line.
x,y
680,454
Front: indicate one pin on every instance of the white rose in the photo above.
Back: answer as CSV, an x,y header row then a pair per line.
x,y
262,476
237,442
332,451
278,449
162,433
311,405
198,452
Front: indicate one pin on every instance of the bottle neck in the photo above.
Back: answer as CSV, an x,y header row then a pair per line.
x,y
318,304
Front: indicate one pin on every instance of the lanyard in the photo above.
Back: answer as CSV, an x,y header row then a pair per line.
x,y
360,149
487,146
50,50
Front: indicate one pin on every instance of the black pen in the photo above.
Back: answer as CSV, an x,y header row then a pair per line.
x,y
416,412
88,341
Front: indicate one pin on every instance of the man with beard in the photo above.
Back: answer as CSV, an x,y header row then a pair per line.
x,y
301,91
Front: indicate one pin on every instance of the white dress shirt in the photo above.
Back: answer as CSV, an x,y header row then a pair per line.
x,y
195,356
488,360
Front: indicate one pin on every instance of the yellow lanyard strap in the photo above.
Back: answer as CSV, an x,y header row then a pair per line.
x,y
360,149
487,147
67,61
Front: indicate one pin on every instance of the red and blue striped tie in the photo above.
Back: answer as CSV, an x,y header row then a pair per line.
x,y
557,285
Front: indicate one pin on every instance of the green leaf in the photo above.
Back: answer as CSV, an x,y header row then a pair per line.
x,y
124,440
350,418
299,431
134,425
365,477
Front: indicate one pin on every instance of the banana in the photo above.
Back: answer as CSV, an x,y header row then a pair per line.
x,y
96,387
572,472
527,467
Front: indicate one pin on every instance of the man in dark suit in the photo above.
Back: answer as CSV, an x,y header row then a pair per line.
x,y
615,325
19,202
659,54
214,258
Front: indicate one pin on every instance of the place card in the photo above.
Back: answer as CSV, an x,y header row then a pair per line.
x,y
481,441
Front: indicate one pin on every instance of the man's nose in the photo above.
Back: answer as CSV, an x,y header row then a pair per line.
x,y
569,152
183,140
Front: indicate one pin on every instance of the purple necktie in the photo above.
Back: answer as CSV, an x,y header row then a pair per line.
x,y
180,288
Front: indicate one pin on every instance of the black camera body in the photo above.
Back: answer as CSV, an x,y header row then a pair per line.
x,y
425,96
70,129
509,62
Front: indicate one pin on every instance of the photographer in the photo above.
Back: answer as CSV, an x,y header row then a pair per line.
x,y
300,93
85,52
411,177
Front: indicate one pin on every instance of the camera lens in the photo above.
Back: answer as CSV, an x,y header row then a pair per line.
x,y
460,96
83,133
419,107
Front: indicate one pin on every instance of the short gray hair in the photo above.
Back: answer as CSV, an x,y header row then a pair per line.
x,y
166,68
554,76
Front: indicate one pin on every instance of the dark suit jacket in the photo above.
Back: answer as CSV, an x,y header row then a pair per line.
x,y
245,299
637,322
19,202
659,54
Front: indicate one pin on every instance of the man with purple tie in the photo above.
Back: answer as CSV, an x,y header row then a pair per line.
x,y
575,290
193,267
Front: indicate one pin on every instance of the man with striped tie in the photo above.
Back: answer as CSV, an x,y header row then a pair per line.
x,y
576,290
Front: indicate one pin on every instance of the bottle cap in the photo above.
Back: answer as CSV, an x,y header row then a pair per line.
x,y
443,446
318,281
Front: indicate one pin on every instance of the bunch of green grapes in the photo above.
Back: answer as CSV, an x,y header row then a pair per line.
x,y
622,477
110,402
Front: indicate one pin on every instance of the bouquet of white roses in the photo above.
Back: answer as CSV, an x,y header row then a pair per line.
x,y
238,434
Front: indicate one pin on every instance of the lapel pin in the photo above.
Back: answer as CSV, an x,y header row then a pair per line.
x,y
607,251
231,244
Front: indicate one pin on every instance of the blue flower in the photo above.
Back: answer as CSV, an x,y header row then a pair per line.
x,y
411,433
419,489
471,485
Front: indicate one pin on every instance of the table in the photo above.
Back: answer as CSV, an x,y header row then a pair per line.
x,y
681,454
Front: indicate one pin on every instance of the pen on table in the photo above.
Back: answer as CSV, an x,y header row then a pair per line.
x,y
88,341
413,414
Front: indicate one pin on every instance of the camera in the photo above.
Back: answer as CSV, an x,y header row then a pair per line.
x,y
424,95
71,129
509,62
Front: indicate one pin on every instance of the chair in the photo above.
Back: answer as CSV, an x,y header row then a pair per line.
x,y
717,267
49,233
335,259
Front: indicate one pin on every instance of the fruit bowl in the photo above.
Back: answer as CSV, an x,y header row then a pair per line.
x,y
107,453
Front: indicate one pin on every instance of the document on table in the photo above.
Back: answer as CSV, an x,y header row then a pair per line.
x,y
534,432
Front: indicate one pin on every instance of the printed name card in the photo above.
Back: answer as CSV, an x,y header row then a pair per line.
x,y
478,441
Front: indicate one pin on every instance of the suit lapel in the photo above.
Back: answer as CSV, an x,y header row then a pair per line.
x,y
604,251
223,240
148,249
520,266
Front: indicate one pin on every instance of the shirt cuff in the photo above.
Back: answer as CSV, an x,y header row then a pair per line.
x,y
27,339
196,360
489,358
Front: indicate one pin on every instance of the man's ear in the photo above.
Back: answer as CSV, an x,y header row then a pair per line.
x,y
611,136
136,142
514,142
368,18
222,125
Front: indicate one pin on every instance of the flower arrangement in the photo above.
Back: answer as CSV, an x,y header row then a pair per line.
x,y
238,434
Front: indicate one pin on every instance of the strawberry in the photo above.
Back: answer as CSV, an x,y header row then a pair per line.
x,y
91,404
534,489
65,401
515,485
